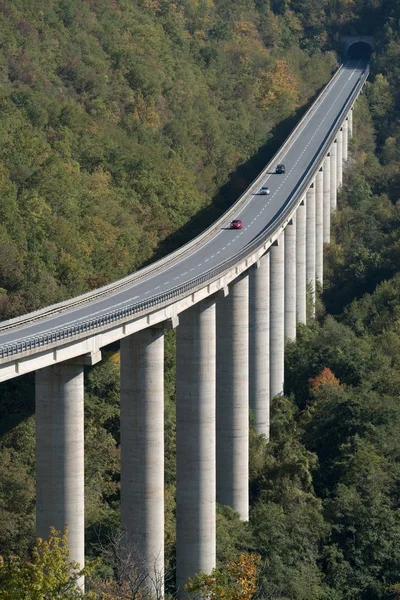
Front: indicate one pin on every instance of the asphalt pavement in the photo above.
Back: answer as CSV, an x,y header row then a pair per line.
x,y
256,214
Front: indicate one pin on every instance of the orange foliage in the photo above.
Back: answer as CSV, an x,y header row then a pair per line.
x,y
244,571
236,581
325,378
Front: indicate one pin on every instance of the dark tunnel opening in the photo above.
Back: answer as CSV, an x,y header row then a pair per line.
x,y
359,50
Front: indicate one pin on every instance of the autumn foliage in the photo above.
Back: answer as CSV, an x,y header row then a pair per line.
x,y
236,581
49,574
325,378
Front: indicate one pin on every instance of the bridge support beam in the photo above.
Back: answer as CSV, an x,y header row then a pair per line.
x,y
277,317
301,281
60,496
327,199
290,280
310,242
259,344
142,451
333,189
345,139
319,227
195,442
339,163
233,397
350,115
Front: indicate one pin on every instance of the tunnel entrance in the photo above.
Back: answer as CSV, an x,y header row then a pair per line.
x,y
359,50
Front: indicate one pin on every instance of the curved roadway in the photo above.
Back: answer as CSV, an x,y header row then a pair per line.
x,y
256,214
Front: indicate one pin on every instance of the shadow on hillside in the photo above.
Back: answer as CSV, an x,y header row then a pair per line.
x,y
17,395
238,182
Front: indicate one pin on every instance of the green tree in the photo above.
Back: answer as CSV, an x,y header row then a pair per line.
x,y
48,575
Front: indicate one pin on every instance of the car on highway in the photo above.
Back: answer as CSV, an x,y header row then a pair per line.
x,y
236,224
265,191
280,168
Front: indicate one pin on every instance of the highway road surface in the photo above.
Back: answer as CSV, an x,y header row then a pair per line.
x,y
256,214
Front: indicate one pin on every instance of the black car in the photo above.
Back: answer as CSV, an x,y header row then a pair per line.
x,y
280,168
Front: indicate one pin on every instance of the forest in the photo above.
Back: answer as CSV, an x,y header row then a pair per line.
x,y
125,128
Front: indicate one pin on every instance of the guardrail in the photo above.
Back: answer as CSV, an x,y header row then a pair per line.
x,y
138,276
160,300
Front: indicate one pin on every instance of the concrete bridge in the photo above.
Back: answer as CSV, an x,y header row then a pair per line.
x,y
234,297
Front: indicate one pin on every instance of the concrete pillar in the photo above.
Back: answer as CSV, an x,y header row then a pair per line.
x,y
277,316
333,192
195,442
310,240
301,304
233,397
327,199
290,280
339,163
345,139
351,122
142,451
60,496
259,344
319,226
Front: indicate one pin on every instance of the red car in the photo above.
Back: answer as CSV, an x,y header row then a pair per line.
x,y
236,224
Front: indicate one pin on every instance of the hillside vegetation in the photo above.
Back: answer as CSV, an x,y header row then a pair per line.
x,y
120,121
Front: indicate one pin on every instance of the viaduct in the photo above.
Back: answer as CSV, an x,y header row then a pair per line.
x,y
234,297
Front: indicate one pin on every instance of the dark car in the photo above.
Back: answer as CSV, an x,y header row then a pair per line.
x,y
265,190
236,224
280,168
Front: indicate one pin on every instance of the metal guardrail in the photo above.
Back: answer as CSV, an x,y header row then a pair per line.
x,y
193,285
138,276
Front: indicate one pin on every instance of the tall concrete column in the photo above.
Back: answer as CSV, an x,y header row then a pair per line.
x,y
277,316
351,122
310,240
142,451
339,163
333,152
259,344
290,280
301,281
233,397
195,442
345,139
60,496
319,227
327,199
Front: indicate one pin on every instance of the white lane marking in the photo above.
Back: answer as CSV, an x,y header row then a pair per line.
x,y
311,116
326,93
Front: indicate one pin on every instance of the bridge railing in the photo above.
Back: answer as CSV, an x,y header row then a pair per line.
x,y
181,291
138,276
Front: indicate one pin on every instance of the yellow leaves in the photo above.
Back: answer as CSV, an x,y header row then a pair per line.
x,y
36,210
248,43
152,5
49,573
245,29
278,91
144,112
235,581
114,358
